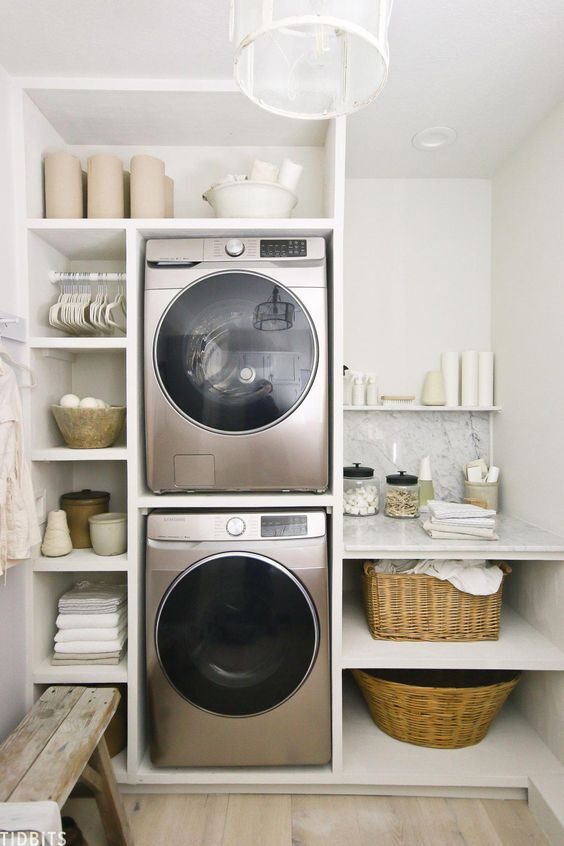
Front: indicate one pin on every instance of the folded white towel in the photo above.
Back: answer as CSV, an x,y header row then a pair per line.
x,y
476,531
92,621
114,633
69,661
86,646
82,657
468,522
447,510
459,534
93,598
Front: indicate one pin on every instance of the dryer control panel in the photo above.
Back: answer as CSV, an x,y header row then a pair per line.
x,y
235,526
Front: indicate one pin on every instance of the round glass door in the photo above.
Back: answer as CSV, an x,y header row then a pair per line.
x,y
236,635
235,352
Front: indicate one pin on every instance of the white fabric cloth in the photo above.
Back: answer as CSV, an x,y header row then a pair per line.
x,y
464,522
457,510
480,578
92,621
89,634
41,817
19,530
93,598
83,647
462,533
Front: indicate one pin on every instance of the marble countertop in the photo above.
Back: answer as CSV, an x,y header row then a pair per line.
x,y
387,537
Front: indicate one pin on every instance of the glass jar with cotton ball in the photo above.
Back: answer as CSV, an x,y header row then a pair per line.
x,y
361,491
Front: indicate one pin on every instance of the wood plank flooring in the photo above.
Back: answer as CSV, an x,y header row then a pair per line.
x,y
280,820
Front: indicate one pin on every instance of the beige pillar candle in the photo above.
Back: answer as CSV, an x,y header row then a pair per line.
x,y
169,197
147,187
63,186
105,186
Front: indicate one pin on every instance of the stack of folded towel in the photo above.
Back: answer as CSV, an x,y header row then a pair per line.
x,y
457,521
92,625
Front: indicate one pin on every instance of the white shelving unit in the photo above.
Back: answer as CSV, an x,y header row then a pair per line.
x,y
203,130
430,408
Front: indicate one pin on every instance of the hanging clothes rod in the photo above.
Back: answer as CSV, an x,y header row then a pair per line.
x,y
57,277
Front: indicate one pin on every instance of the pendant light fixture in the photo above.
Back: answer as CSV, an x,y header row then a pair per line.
x,y
311,59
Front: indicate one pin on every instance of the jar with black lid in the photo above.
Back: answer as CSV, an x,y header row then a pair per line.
x,y
402,496
361,491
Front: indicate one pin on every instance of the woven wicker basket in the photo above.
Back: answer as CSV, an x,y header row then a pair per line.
x,y
402,606
443,709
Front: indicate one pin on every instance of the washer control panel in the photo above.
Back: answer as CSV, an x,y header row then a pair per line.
x,y
283,248
235,527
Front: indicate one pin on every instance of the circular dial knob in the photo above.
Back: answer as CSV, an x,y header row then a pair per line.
x,y
235,526
234,247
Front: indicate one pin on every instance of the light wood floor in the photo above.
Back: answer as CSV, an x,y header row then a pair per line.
x,y
256,820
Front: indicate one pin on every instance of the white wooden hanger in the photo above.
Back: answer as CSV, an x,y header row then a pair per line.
x,y
16,364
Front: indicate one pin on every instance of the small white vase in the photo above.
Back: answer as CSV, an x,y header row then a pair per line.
x,y
57,540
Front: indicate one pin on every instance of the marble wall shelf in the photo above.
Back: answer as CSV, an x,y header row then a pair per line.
x,y
398,439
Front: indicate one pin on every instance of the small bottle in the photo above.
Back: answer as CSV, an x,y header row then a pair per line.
x,y
371,390
358,397
426,489
347,386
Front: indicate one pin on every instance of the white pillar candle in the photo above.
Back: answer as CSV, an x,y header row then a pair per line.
x,y
169,197
290,174
147,187
105,186
486,378
450,366
469,378
63,186
264,171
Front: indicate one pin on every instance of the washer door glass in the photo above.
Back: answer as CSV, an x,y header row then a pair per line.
x,y
236,635
235,352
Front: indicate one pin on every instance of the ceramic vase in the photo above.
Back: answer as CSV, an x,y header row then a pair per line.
x,y
57,540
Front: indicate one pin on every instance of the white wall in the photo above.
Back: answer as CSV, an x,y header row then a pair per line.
x,y
417,275
12,593
528,320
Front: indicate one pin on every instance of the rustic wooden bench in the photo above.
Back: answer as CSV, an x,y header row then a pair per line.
x,y
61,742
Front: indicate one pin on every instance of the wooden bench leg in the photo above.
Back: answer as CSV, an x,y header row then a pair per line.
x,y
108,798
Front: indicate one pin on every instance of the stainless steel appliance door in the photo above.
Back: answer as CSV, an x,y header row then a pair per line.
x,y
236,634
235,352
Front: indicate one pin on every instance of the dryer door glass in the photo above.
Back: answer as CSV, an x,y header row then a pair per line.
x,y
237,635
235,352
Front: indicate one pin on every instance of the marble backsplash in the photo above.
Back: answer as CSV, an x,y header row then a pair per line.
x,y
390,440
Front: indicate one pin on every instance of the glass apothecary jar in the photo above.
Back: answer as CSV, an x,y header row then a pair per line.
x,y
361,491
402,495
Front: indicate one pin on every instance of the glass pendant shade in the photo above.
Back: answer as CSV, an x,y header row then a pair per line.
x,y
274,315
311,59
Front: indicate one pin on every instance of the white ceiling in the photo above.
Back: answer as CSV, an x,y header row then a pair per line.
x,y
491,69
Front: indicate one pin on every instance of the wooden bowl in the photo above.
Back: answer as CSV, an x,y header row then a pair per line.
x,y
89,428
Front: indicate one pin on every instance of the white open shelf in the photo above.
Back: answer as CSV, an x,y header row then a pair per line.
x,y
214,499
67,454
75,345
81,560
433,408
510,753
520,647
46,673
386,537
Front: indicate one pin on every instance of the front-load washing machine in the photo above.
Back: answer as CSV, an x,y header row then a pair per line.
x,y
238,638
236,364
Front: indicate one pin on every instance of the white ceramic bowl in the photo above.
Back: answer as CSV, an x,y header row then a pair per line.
x,y
251,199
108,533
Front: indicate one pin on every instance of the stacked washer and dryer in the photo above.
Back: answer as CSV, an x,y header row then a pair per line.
x,y
236,399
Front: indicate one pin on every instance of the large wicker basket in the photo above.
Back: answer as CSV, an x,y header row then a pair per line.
x,y
414,606
443,709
